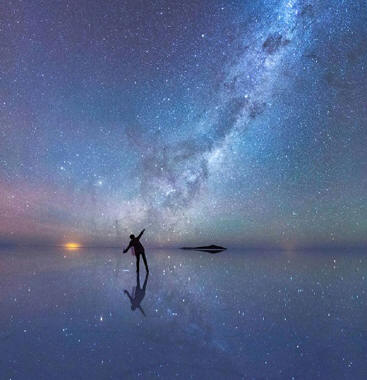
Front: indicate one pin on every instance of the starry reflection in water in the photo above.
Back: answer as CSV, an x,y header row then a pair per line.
x,y
233,315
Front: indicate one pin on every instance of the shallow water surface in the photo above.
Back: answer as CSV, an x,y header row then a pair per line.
x,y
66,314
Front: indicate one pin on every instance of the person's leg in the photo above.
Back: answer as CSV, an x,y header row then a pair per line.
x,y
137,262
145,281
145,261
138,281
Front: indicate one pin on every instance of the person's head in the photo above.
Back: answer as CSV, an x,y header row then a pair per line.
x,y
132,236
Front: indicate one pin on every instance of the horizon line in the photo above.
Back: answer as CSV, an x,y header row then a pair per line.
x,y
236,247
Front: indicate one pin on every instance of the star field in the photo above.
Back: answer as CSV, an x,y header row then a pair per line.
x,y
231,122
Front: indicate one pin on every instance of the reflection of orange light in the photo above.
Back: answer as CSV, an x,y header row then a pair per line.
x,y
71,246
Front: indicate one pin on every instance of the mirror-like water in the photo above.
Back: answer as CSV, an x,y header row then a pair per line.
x,y
81,314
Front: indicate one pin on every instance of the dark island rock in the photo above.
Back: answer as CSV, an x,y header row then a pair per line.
x,y
207,248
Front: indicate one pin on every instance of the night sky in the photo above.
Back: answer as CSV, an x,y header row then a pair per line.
x,y
242,123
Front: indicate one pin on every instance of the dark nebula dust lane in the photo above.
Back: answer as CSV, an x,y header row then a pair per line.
x,y
242,122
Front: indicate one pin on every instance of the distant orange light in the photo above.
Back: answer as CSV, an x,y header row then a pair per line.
x,y
72,246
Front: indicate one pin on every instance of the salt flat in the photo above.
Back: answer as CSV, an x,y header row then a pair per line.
x,y
66,314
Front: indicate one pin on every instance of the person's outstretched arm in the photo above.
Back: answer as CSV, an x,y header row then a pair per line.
x,y
127,248
141,233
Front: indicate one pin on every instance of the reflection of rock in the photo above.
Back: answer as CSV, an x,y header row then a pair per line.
x,y
210,250
206,248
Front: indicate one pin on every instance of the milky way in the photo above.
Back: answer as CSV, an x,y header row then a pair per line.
x,y
240,123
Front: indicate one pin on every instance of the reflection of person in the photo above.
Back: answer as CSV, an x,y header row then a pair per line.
x,y
137,294
138,250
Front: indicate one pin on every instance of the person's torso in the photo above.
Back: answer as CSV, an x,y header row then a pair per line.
x,y
137,246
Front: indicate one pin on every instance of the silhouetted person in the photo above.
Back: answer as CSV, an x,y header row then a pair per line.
x,y
138,250
137,294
